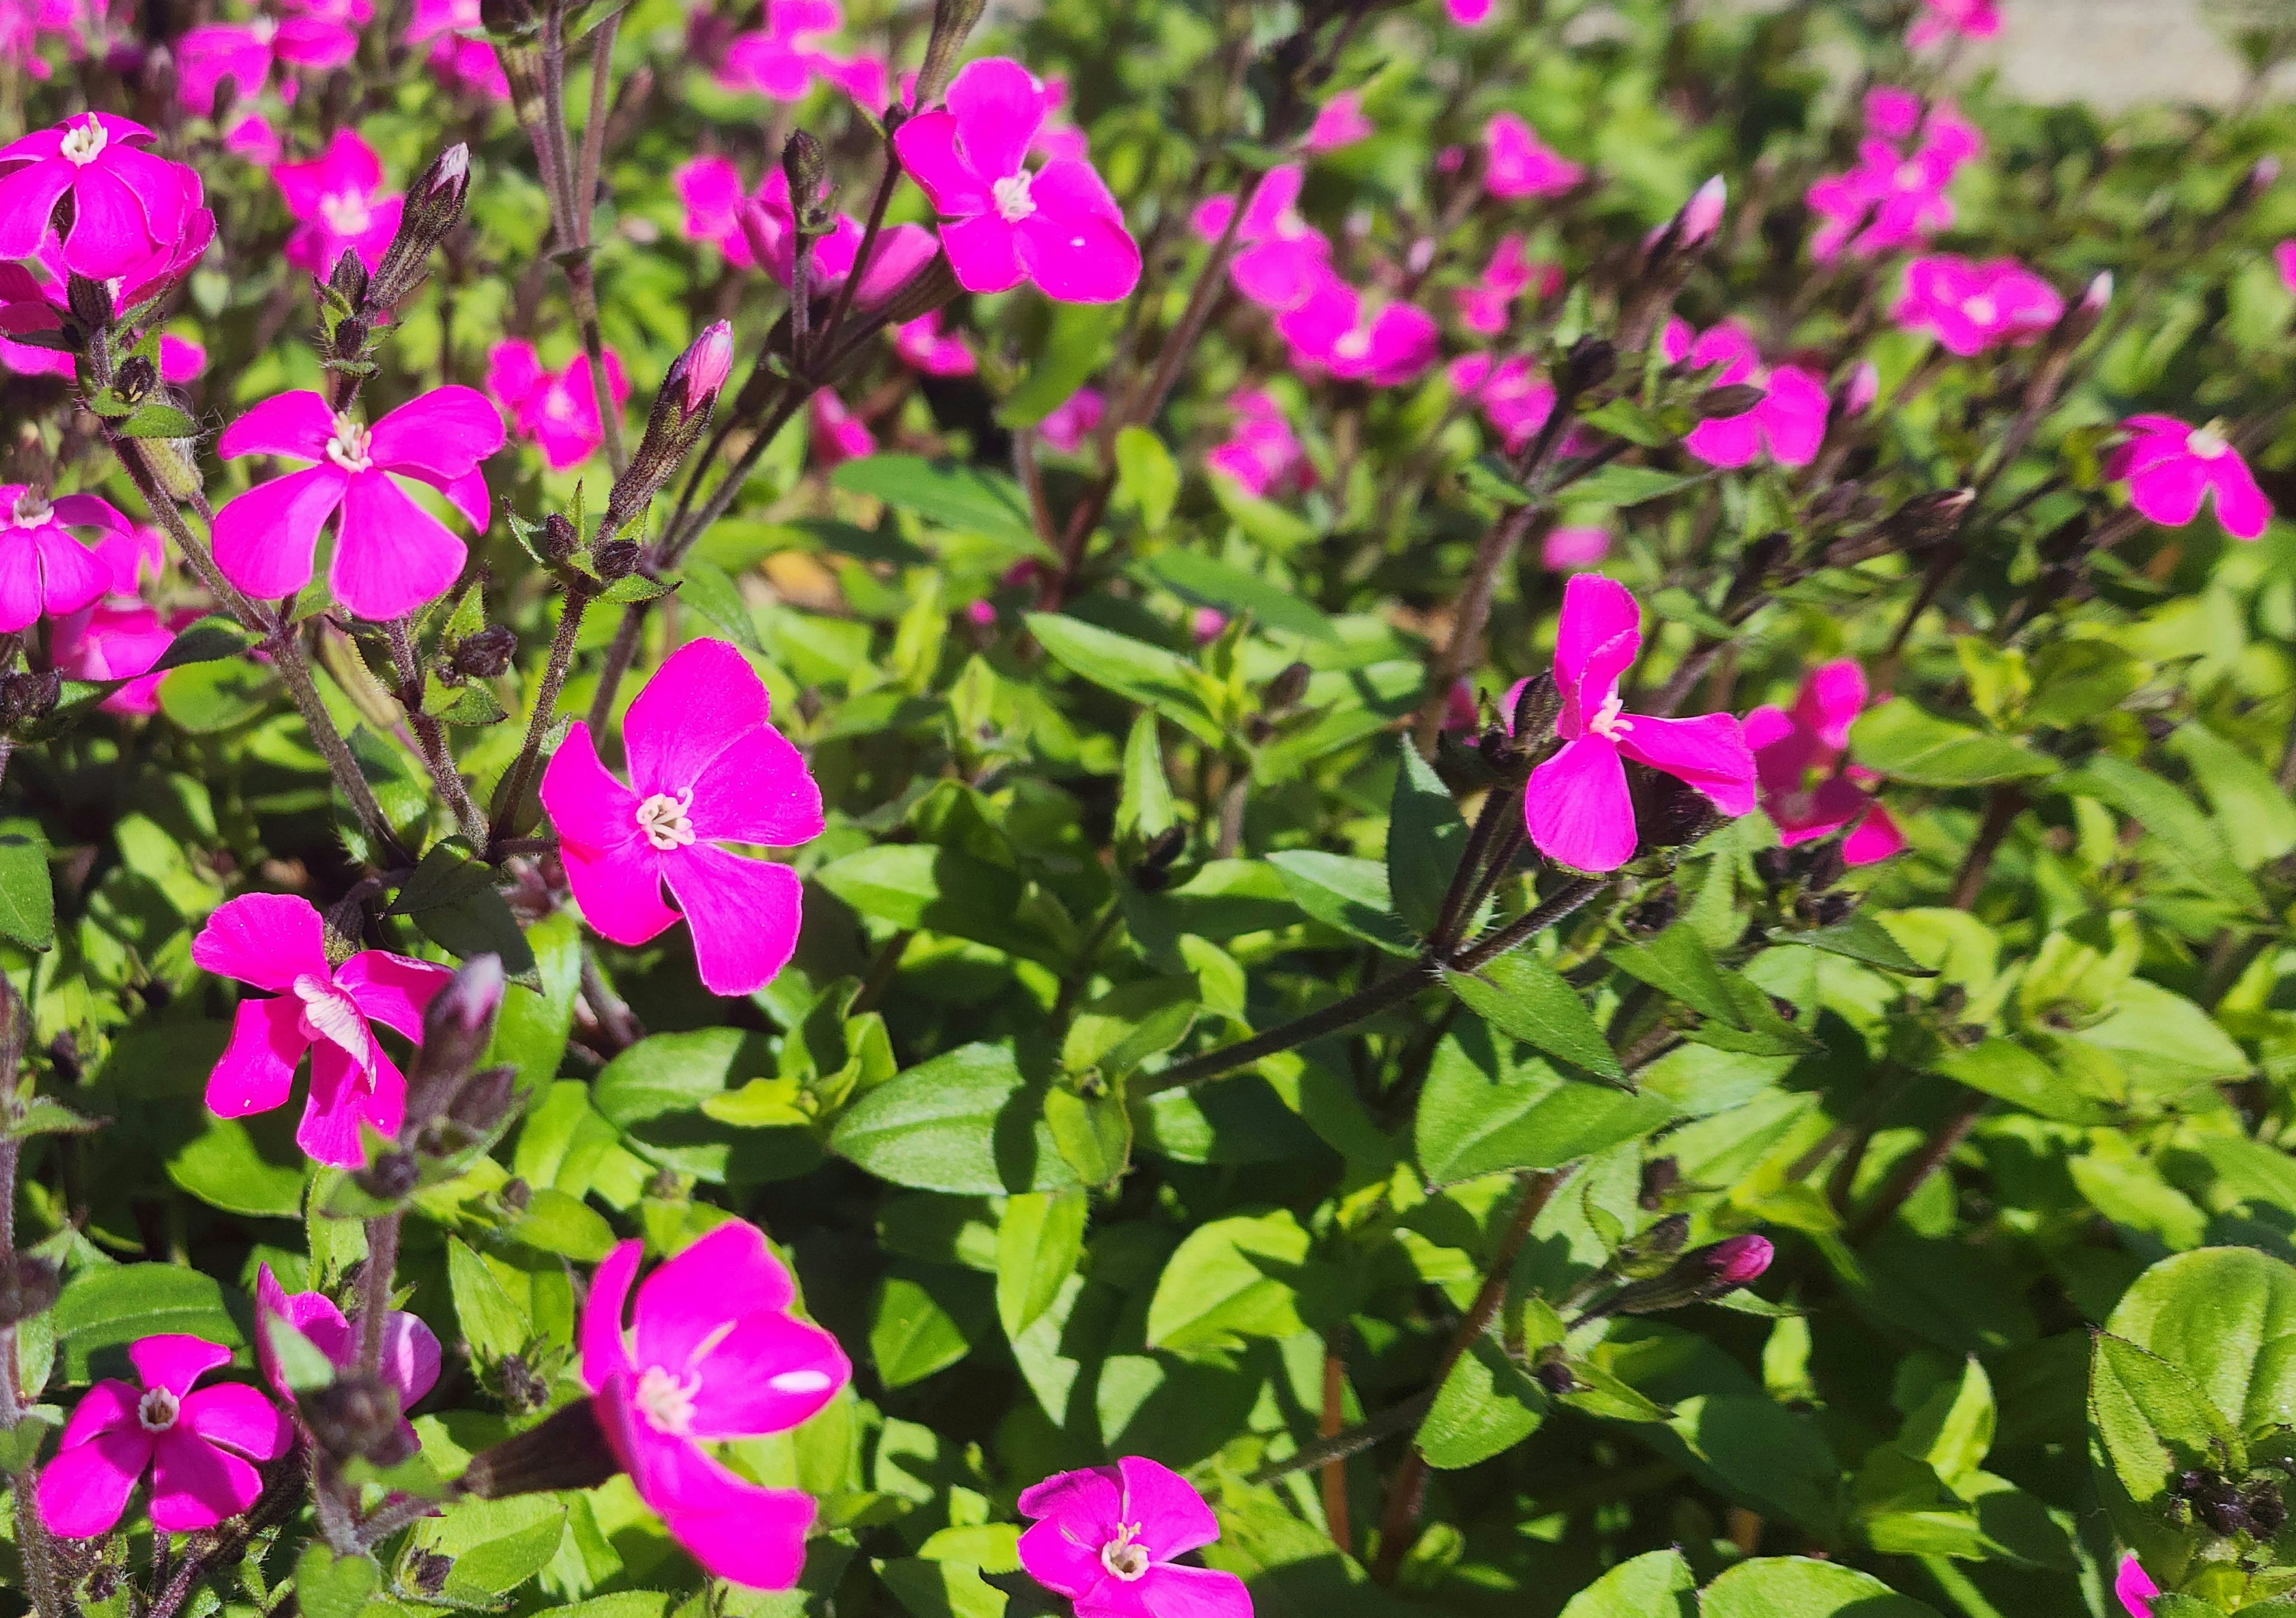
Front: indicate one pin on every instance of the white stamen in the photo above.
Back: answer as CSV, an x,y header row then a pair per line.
x,y
156,1410
31,510
1013,202
1353,345
1123,1556
1911,176
667,1401
85,143
352,447
1608,721
2208,443
1981,310
663,819
347,213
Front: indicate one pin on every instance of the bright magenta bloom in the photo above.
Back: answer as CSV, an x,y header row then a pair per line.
x,y
1484,308
2170,467
410,1348
1261,452
338,200
246,52
555,409
1073,419
1339,122
1000,223
1281,258
1943,19
197,1444
2285,256
127,204
2136,1589
1790,422
1330,328
390,554
782,60
1469,14
838,434
44,572
1516,400
1969,307
705,767
119,637
1107,1538
459,49
924,347
715,1353
1518,164
274,942
1807,788
1577,807
1894,196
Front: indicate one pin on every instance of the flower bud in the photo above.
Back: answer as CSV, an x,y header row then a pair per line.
x,y
1731,398
507,19
1697,1277
29,1285
356,1417
482,1101
1665,1238
26,699
1674,814
1736,1262
90,302
349,276
434,207
1152,874
1701,215
567,1451
133,381
806,168
559,538
485,654
1660,1176
426,1570
1860,391
953,22
616,559
461,1018
1286,688
1536,706
389,1177
1591,362
680,415
1552,1373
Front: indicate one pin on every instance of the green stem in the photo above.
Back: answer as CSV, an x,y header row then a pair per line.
x,y
519,776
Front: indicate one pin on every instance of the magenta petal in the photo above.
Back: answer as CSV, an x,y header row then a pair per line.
x,y
984,253
2135,1588
703,699
1057,1556
391,555
736,1530
174,1360
619,890
411,1356
338,1104
162,193
394,989
268,940
1576,808
296,424
1832,698
770,1374
2241,505
1169,1592
194,1485
1709,752
28,197
1875,837
605,1350
257,1067
758,790
266,539
743,914
587,805
1172,1516
1730,440
110,1404
1596,612
108,235
445,432
999,106
931,157
72,576
728,1273
2168,491
19,581
83,1490
1078,257
235,1415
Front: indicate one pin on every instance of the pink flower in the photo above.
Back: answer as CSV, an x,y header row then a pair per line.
x,y
1577,807
1564,548
1108,1538
1484,308
2170,467
1514,395
1943,19
1893,197
556,409
44,572
1260,452
1469,14
2136,1589
1339,122
715,1354
759,230
781,62
838,434
1893,113
245,52
1330,328
1518,164
923,346
2285,256
337,202
1461,711
1738,1260
274,942
1072,420
1281,258
410,1350
116,641
390,554
197,1445
1806,788
1002,225
1969,307
1205,624
459,51
704,768
127,204
1790,422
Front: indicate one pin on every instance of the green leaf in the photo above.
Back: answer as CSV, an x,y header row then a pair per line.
x,y
2226,1318
303,1366
1040,1242
1487,477
211,697
1656,1584
1797,1586
1126,1026
1678,963
2148,1421
1908,743
1229,1281
1208,582
1623,486
1146,806
1485,1406
28,897
1132,669
2076,680
941,1590
327,1586
911,1336
1426,838
1522,996
157,421
1147,478
1480,1112
531,1031
961,497
211,639
480,923
1076,345
2258,820
656,1093
1092,1133
447,874
103,1309
1862,938
2007,1070
710,590
963,1122
2176,830
493,1325
1347,894
247,1167
924,886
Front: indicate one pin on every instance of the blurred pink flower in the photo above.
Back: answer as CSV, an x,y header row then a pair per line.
x,y
2135,1588
460,50
1789,421
704,768
1969,308
252,137
1330,328
1002,225
838,434
115,640
1280,258
1568,547
245,53
1469,14
1518,164
924,347
1461,711
198,1444
2170,467
337,202
1945,18
1577,806
1260,452
128,205
1205,624
274,942
1894,197
45,573
1807,788
2285,256
557,410
1891,112
782,60
1515,398
1110,1540
759,230
411,1357
1339,122
1484,308
1072,420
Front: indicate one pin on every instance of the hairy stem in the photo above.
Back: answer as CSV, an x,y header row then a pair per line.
x,y
515,780
1339,1014
430,736
375,1284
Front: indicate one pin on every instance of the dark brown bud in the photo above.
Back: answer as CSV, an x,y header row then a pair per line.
x,y
27,698
1660,1176
29,1285
485,654
350,338
90,302
517,1196
1286,688
1927,520
348,277
1654,915
1731,398
1696,1276
1553,1372
1669,1234
953,22
559,538
806,169
356,1417
567,1451
1536,708
507,19
456,1028
482,1101
426,1570
1761,558
615,559
434,207
1676,814
133,381
1591,362
521,1388
389,1177
1151,874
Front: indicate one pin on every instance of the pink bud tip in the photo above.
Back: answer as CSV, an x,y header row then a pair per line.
x,y
1740,1260
2099,293
1864,386
1701,215
454,168
2267,170
706,365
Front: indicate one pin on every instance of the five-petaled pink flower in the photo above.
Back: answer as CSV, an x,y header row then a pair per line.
x,y
923,346
339,206
274,942
127,204
44,572
556,409
1807,788
1485,307
198,1444
1339,122
390,554
1108,1538
1945,18
1518,164
1969,307
1577,807
459,49
2135,1588
1330,328
714,1353
705,767
410,1348
1002,225
1789,421
2170,467
1261,452
245,53
1893,196
1280,258
781,61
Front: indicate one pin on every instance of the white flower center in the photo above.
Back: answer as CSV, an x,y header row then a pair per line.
x,y
1353,345
264,29
1013,202
1981,310
667,1401
1910,177
1608,721
156,1410
31,510
2208,443
663,819
85,143
352,447
558,404
331,1014
1123,1556
347,213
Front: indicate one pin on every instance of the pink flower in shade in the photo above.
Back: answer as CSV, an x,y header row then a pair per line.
x,y
338,203
1330,328
838,434
1969,308
274,942
1515,398
1945,18
410,1350
1518,164
459,50
1577,807
2285,256
781,62
555,409
1807,788
1072,420
1469,14
1108,1539
44,572
1893,197
390,554
715,1354
1484,308
759,230
198,1444
117,641
1000,223
1461,711
1261,452
980,614
2136,1589
1893,112
705,768
253,138
1568,547
924,347
1790,422
127,204
1339,122
1281,258
245,53
2170,467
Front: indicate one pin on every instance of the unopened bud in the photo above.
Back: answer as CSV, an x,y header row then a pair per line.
x,y
483,1100
1859,392
1675,814
1591,362
434,207
560,537
1729,400
133,381
680,415
1151,875
1536,704
1665,1238
1696,1276
703,368
27,698
449,175
1736,1262
389,1177
567,1451
1552,1373
952,22
507,19
485,654
2263,175
461,1017
1701,215
1286,688
616,559
806,168
426,1570
350,338
349,276
1660,1176
356,1417
29,1285
90,302
1927,520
